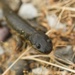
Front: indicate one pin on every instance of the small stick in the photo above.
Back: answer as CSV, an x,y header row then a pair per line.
x,y
62,8
51,30
72,15
67,69
60,15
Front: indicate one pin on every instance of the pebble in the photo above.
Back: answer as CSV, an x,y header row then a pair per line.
x,y
18,67
14,4
27,11
21,66
39,3
65,53
40,71
4,33
54,22
1,50
1,70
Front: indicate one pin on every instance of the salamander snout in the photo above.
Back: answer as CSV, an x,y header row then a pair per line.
x,y
41,42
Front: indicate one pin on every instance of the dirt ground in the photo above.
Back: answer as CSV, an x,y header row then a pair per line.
x,y
56,18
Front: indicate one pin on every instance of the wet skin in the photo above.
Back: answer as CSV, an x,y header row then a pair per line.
x,y
39,40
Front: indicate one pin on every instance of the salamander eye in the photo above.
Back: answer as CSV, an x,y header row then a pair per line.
x,y
38,46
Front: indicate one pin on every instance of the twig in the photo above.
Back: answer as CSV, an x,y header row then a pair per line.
x,y
49,63
51,30
72,15
33,56
60,15
62,8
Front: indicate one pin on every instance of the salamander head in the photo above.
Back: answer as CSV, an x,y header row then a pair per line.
x,y
41,42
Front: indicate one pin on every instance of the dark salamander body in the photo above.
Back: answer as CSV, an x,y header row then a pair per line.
x,y
39,40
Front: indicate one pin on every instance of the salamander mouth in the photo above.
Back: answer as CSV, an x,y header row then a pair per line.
x,y
41,42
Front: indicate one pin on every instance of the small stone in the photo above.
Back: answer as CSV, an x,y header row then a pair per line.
x,y
1,50
65,53
20,66
40,71
54,22
14,4
37,2
1,70
4,33
27,11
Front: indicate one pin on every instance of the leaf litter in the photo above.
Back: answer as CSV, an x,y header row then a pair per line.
x,y
19,58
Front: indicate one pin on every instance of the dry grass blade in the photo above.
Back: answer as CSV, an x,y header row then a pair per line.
x,y
72,15
62,34
61,8
49,63
69,3
60,15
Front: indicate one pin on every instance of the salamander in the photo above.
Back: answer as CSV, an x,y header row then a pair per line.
x,y
38,39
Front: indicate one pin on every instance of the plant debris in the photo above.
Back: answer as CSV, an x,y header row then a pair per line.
x,y
56,17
